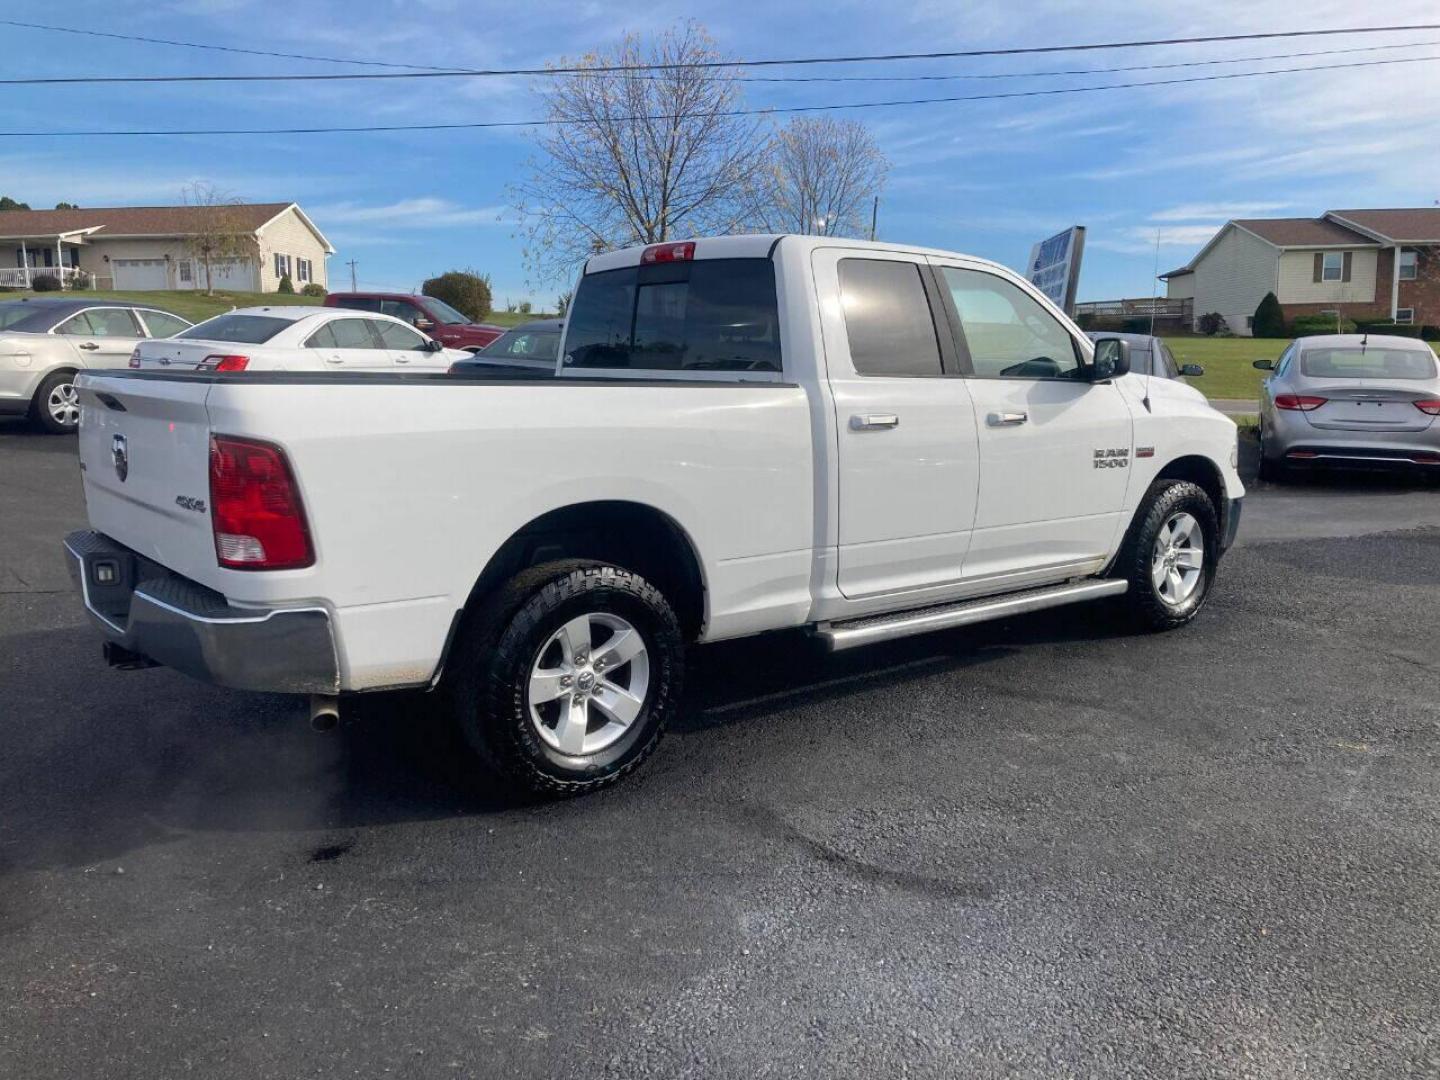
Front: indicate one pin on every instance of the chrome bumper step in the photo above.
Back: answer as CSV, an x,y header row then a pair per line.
x,y
852,633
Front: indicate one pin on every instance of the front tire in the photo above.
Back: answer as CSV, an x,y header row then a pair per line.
x,y
1169,558
566,680
55,409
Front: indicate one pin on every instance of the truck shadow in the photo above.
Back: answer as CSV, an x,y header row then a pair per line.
x,y
122,760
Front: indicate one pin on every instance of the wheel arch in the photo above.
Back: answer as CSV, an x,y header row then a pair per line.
x,y
633,535
1202,472
43,376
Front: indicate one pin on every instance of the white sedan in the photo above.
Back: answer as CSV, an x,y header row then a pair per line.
x,y
297,338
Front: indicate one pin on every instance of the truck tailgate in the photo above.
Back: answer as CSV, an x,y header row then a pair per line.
x,y
145,456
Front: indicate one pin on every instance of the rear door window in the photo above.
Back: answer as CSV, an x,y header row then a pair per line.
x,y
101,322
354,334
709,315
888,319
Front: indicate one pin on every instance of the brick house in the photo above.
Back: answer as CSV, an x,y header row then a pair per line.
x,y
1344,260
152,247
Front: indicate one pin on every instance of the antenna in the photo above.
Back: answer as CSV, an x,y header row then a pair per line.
x,y
1154,303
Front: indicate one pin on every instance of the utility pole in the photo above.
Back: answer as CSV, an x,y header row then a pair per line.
x,y
353,286
874,214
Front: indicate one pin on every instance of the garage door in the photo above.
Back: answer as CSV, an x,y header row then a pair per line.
x,y
139,273
237,275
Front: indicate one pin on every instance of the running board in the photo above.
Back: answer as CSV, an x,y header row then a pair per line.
x,y
856,632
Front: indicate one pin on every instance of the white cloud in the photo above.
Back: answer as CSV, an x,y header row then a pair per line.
x,y
1220,212
425,212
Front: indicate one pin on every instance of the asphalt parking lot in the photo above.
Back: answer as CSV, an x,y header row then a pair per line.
x,y
1039,848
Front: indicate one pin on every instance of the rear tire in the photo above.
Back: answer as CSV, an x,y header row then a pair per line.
x,y
54,409
564,682
1169,558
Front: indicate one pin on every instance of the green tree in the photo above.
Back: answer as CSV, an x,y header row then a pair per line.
x,y
1269,320
7,203
286,286
467,291
67,206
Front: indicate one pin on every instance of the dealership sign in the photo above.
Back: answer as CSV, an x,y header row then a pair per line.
x,y
1054,266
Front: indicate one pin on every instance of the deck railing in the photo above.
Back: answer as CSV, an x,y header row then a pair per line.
x,y
23,277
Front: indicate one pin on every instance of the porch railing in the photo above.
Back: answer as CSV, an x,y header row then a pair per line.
x,y
22,277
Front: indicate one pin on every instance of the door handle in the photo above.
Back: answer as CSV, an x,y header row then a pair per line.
x,y
88,346
402,359
1007,419
874,421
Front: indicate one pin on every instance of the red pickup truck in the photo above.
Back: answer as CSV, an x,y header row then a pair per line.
x,y
427,314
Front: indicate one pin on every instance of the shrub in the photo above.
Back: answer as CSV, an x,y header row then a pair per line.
x,y
1429,333
312,288
45,283
1211,323
1303,325
1394,329
526,307
79,283
1269,320
286,286
465,290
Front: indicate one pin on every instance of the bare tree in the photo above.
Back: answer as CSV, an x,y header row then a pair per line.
x,y
819,178
218,230
637,157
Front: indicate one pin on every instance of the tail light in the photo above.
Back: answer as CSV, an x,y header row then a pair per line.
x,y
1298,402
660,253
255,507
219,362
135,357
1431,407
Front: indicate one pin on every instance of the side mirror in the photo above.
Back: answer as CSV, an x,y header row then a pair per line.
x,y
431,345
1191,370
1112,359
1264,365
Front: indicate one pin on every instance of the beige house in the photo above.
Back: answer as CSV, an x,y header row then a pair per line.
x,y
158,247
1365,264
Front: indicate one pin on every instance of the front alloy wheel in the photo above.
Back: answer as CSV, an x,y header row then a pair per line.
x,y
1177,559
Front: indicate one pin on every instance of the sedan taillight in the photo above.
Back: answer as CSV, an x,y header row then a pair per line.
x,y
255,507
1431,407
1298,402
220,362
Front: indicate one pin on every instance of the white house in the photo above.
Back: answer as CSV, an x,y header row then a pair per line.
x,y
153,247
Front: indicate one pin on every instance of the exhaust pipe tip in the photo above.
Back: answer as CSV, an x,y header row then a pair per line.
x,y
324,712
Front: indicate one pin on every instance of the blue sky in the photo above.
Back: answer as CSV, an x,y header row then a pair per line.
x,y
988,178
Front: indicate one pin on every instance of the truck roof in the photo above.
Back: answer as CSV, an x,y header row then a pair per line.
x,y
762,245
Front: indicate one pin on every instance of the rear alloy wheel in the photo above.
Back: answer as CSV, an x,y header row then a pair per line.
x,y
1169,557
56,408
565,681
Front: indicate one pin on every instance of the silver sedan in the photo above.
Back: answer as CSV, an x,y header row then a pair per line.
x,y
1350,400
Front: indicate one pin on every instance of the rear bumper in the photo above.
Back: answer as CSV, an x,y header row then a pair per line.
x,y
151,611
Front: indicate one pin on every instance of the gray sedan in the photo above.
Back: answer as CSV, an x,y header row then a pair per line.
x,y
1350,400
1149,355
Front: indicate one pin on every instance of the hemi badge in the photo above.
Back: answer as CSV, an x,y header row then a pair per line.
x,y
1144,451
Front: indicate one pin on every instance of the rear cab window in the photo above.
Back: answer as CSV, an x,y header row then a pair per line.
x,y
701,316
888,320
245,329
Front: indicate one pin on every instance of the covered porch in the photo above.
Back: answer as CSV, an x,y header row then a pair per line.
x,y
24,258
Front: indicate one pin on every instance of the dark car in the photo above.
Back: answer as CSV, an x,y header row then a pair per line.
x,y
532,346
427,314
1151,356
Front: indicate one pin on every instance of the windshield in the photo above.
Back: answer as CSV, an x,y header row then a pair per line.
x,y
443,312
248,329
525,345
1371,363
28,318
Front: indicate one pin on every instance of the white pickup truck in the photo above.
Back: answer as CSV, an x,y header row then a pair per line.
x,y
741,434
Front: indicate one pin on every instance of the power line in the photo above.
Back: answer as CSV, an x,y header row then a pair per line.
x,y
488,124
73,80
948,55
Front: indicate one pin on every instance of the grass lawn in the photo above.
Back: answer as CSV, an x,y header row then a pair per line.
x,y
196,306
1227,362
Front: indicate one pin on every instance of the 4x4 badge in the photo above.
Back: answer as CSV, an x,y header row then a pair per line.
x,y
120,455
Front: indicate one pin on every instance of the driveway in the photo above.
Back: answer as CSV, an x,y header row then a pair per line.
x,y
1046,847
